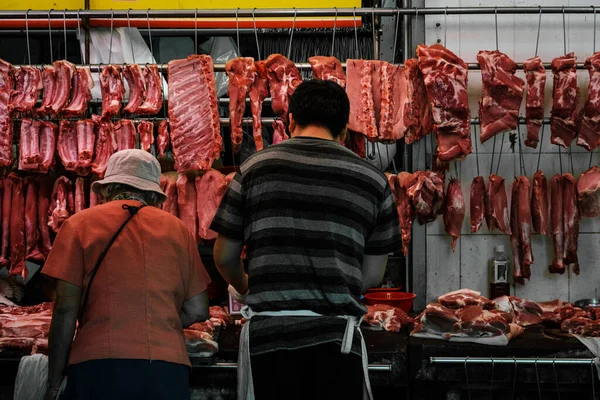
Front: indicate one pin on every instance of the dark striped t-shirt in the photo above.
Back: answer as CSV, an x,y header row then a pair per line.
x,y
308,210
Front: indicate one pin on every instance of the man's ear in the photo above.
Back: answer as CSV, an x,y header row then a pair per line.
x,y
292,124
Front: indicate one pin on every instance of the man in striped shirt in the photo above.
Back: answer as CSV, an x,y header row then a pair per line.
x,y
318,223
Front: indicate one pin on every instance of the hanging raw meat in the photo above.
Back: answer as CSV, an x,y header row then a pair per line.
x,y
168,184
162,139
146,132
557,219
360,92
49,86
258,92
328,69
454,210
589,118
534,104
426,193
496,205
135,82
43,205
193,116
588,189
112,89
446,78
105,145
187,203
17,228
501,95
210,189
28,81
517,251
67,144
565,97
416,113
79,195
406,211
279,132
525,225
477,206
241,73
356,143
64,76
32,252
571,222
283,78
61,203
153,96
6,124
81,93
125,134
6,214
85,145
539,204
29,150
48,135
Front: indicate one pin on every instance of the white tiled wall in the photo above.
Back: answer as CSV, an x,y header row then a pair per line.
x,y
467,267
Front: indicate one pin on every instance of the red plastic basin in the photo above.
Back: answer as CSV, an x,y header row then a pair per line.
x,y
402,300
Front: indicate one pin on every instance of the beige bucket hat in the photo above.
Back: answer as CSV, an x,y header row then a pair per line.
x,y
136,168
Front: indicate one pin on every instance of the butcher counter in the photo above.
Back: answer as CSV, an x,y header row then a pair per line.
x,y
400,366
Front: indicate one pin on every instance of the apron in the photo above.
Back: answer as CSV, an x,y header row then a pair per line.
x,y
244,368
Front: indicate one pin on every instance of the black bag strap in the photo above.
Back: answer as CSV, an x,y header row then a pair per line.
x,y
132,211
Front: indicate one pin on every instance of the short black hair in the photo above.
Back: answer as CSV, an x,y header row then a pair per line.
x,y
322,103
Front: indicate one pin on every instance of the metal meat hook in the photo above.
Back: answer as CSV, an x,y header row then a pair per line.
x,y
371,156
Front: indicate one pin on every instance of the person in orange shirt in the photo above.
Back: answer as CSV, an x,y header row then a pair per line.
x,y
130,274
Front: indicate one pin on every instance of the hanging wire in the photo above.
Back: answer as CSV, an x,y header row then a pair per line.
x,y
560,160
564,30
500,154
237,29
27,37
130,36
493,153
476,148
79,34
256,33
289,53
396,35
555,378
455,169
355,34
537,42
446,27
375,56
537,378
496,18
65,30
571,160
521,156
594,8
196,31
432,152
419,153
334,28
492,381
50,37
149,33
467,377
112,21
541,145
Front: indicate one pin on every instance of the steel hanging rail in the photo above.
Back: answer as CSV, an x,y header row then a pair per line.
x,y
511,360
226,365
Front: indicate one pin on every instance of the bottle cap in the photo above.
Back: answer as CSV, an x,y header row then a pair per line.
x,y
499,248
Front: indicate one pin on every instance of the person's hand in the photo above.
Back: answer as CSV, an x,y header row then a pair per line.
x,y
51,393
240,298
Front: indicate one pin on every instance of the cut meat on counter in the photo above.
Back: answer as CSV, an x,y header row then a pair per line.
x,y
17,228
105,145
279,132
496,205
162,139
29,150
210,189
193,115
328,69
588,189
146,132
454,210
565,95
360,92
85,145
589,119
32,252
48,135
501,96
6,213
406,211
6,124
67,144
187,203
153,96
61,203
283,78
200,343
539,204
79,195
416,113
43,205
168,184
446,77
477,206
258,92
112,89
386,317
64,76
49,86
465,297
135,83
241,73
81,93
523,312
28,82
524,220
557,220
219,316
125,134
581,326
436,319
426,193
534,104
571,222
477,322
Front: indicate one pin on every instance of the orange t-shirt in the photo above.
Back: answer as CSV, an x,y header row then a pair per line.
x,y
135,301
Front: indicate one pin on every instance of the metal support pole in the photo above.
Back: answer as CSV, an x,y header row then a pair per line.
x,y
511,360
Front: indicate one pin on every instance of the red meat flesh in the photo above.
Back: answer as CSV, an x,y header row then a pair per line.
x,y
465,297
162,139
496,205
112,89
258,92
6,214
328,69
356,143
79,195
154,95
557,219
454,210
588,189
85,144
193,116
17,228
168,184
105,145
386,317
60,209
64,75
526,312
279,132
284,78
125,134
576,325
571,221
446,78
81,93
477,322
48,135
241,73
535,74
32,252
416,110
565,99
146,132
501,95
589,118
6,124
135,82
29,149
49,85
517,251
406,211
436,319
43,205
524,220
67,144
28,81
360,92
539,204
210,188
187,203
392,83
477,206
426,193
